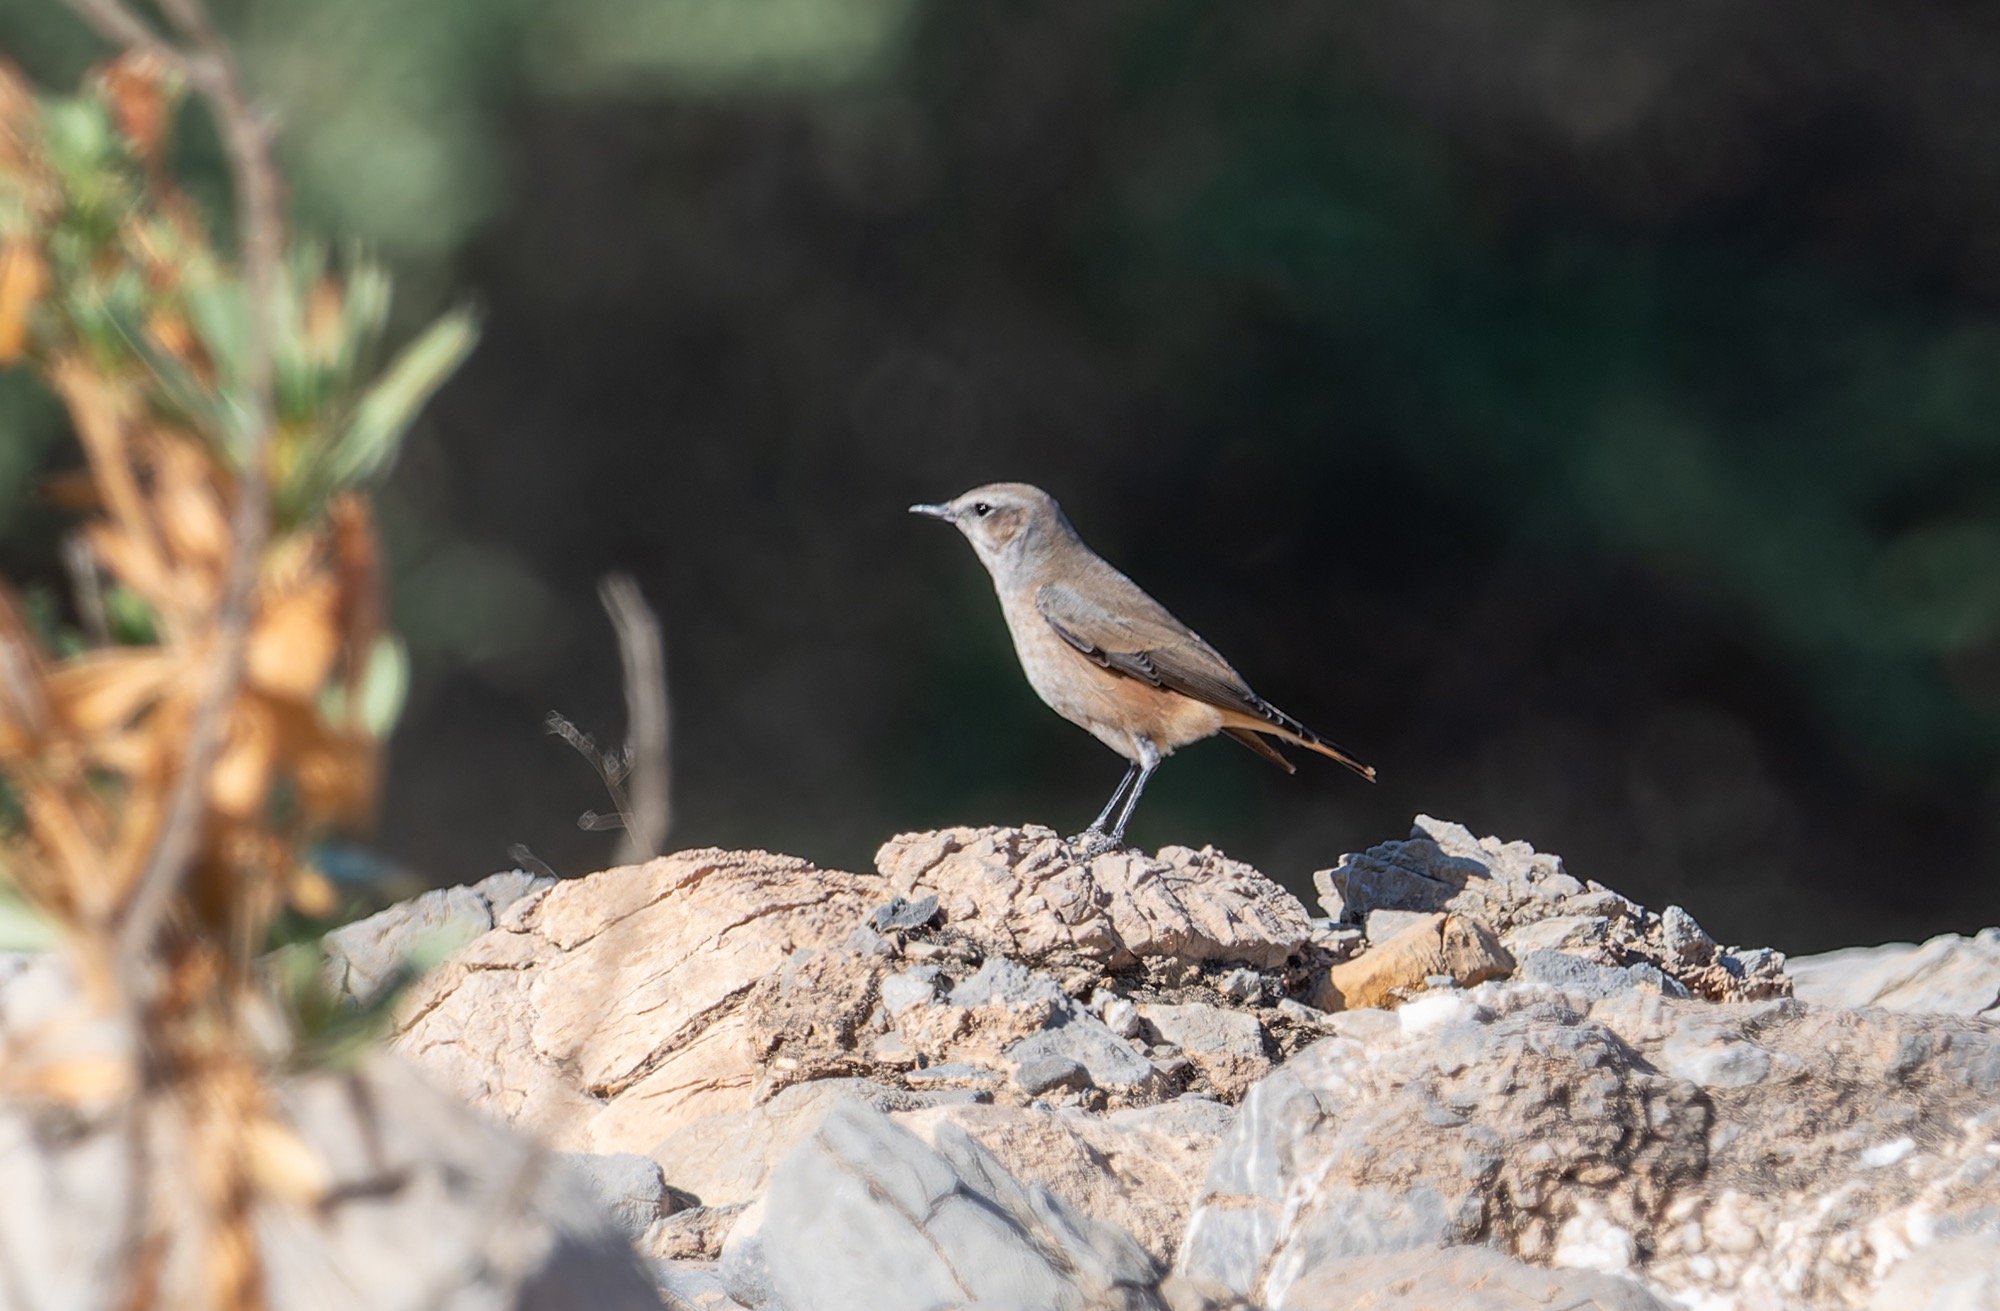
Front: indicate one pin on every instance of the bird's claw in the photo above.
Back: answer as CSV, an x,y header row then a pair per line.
x,y
1091,842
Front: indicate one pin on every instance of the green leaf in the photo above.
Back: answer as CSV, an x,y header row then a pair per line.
x,y
368,442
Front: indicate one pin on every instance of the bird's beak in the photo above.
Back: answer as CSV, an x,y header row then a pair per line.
x,y
944,512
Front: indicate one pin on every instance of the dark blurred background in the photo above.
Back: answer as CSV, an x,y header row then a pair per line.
x,y
1587,412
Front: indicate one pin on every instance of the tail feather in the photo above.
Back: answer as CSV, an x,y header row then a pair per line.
x,y
1262,748
1281,725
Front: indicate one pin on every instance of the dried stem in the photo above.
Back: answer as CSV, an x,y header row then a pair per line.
x,y
212,72
641,652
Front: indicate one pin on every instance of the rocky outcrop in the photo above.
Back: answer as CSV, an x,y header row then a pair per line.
x,y
990,1072
1554,925
1023,894
1949,975
1749,1154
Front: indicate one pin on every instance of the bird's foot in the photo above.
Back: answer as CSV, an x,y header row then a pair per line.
x,y
1091,842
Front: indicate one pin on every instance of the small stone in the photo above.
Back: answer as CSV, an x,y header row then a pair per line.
x,y
630,1186
1043,1073
1385,924
1241,985
1083,1039
867,942
1686,943
1300,1013
900,914
1574,974
1004,982
909,988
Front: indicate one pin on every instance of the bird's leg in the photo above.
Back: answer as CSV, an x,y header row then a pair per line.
x,y
1149,760
1092,840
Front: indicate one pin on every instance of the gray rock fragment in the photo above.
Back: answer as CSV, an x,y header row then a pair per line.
x,y
1002,982
1040,1074
1586,978
1687,943
1111,1062
630,1186
862,1216
904,914
369,955
1121,1017
909,988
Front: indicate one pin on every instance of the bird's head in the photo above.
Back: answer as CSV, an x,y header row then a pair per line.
x,y
1009,524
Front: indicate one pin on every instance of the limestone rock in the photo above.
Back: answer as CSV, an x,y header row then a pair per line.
x,y
1532,903
865,1216
1136,1169
1227,1046
1763,1154
431,1207
1024,894
369,955
1950,974
1452,947
629,1187
615,1009
728,1158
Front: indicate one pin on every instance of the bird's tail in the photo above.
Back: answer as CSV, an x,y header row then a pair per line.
x,y
1278,724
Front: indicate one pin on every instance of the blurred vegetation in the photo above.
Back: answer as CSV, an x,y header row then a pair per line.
x,y
1587,411
211,696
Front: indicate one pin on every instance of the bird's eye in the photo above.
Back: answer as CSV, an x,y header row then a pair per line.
x,y
981,508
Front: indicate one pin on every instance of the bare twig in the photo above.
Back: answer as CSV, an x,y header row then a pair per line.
x,y
643,656
529,861
212,71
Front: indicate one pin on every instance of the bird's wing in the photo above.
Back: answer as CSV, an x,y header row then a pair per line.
x,y
1143,641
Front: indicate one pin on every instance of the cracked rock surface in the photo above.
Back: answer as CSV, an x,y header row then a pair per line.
x,y
990,1073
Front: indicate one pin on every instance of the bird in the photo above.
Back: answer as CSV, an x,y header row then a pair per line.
x,y
1106,656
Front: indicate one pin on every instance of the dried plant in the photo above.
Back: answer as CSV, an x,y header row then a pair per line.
x,y
636,775
163,770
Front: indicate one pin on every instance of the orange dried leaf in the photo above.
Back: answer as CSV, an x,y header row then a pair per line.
x,y
102,413
101,691
24,710
240,779
173,335
75,856
294,641
190,505
139,86
24,276
357,566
